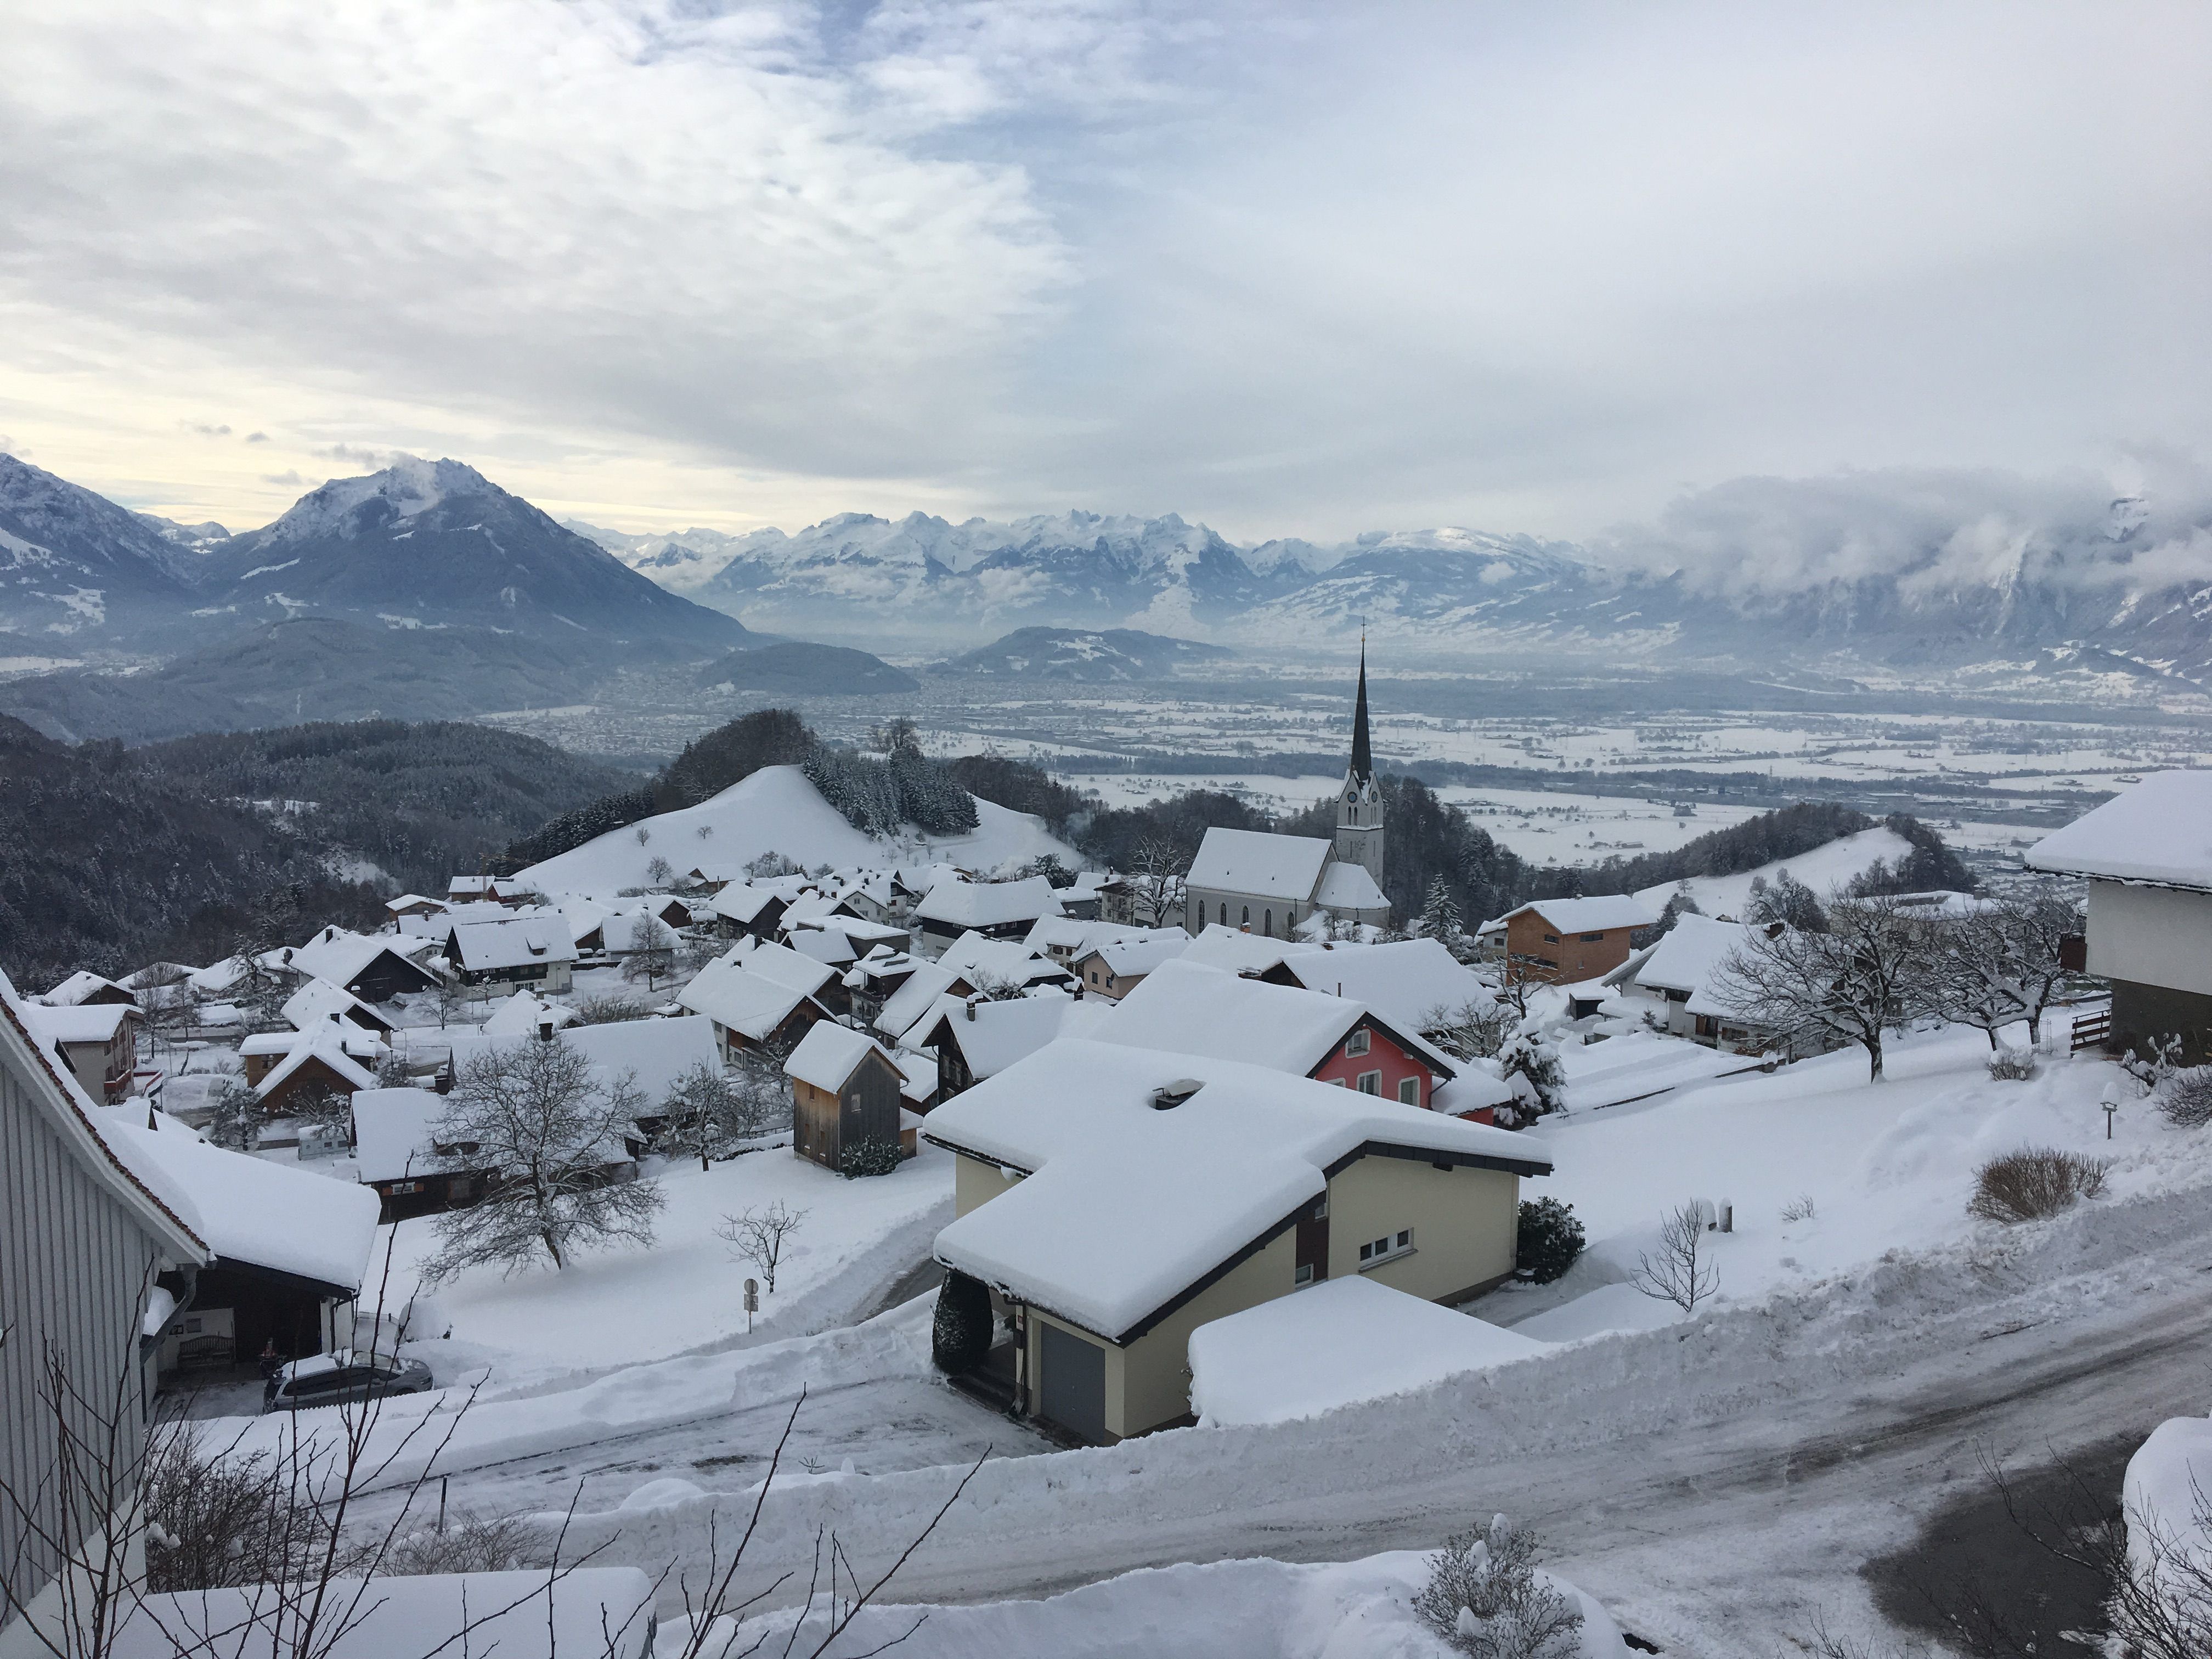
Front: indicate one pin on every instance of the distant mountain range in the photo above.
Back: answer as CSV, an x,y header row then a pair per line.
x,y
2112,578
1107,657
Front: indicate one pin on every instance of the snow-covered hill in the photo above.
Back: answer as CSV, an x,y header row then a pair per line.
x,y
1114,655
777,810
1822,869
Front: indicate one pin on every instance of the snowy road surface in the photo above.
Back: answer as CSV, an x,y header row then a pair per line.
x,y
1714,1483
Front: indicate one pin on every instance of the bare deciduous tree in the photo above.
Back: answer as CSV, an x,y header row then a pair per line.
x,y
1156,880
2001,963
759,1235
1474,1031
541,1117
654,953
1869,971
1682,1272
704,1114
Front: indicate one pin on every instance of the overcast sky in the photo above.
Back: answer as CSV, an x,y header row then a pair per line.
x,y
1519,267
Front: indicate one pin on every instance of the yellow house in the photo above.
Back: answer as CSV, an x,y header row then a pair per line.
x,y
1114,1198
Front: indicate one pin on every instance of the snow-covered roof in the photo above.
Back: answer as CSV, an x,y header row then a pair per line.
x,y
332,1042
1132,958
829,1054
2157,832
907,1005
1336,1344
742,902
413,901
825,944
269,1215
975,957
988,903
652,1053
528,1614
391,1137
1349,887
1402,982
1186,1008
518,942
919,1074
1591,915
78,985
318,999
85,1022
523,1013
1473,1089
788,967
1686,957
1216,946
1124,1206
992,1036
219,976
731,995
341,956
1262,865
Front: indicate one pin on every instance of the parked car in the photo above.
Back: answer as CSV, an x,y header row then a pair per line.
x,y
341,1378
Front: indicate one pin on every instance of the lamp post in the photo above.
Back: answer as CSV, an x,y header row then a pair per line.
x,y
2110,1105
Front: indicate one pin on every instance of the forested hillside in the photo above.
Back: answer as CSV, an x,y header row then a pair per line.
x,y
111,857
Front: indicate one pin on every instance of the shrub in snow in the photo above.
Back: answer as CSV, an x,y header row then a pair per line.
x,y
1484,1598
2032,1183
1681,1271
467,1543
2157,1060
871,1157
960,1335
759,1236
2185,1097
1550,1240
2012,1064
1799,1208
608,1008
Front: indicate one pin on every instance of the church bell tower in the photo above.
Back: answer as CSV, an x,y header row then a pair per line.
x,y
1360,808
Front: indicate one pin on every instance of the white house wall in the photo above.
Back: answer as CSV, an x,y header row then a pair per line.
x,y
2151,936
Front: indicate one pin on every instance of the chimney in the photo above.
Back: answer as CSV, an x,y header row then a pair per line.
x,y
1169,1096
546,1030
970,1005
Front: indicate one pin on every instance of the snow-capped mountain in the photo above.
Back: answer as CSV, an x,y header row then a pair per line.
x,y
680,561
77,570
436,543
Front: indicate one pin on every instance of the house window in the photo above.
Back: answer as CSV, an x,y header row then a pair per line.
x,y
1303,1275
1592,938
1386,1248
1356,1042
1551,939
1370,1083
1409,1090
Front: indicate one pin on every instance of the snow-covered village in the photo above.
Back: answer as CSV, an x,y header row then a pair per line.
x,y
1082,831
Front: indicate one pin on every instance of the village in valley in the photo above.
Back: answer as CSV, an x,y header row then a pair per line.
x,y
741,1171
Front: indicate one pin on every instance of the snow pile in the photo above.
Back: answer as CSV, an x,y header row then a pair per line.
x,y
1248,1609
2167,1497
1821,869
1339,1342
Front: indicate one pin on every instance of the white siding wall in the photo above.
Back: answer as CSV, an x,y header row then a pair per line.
x,y
2151,935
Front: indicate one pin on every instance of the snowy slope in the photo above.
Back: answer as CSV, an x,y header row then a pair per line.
x,y
74,565
777,810
1821,869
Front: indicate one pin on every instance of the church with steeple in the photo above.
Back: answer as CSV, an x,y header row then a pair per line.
x,y
1284,886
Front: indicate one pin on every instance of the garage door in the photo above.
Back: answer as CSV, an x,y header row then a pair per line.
x,y
1074,1393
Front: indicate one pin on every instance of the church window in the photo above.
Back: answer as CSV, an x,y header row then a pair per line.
x,y
1224,912
1245,920
1267,926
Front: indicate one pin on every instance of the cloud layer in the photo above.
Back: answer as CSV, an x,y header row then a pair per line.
x,y
1291,269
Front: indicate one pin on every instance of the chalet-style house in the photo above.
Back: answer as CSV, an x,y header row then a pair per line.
x,y
2147,855
875,979
398,1156
526,1014
1115,970
996,909
1564,941
536,951
375,968
1186,1009
1113,1198
1675,974
334,1057
977,1037
85,987
485,890
289,1253
765,997
412,904
88,1231
319,1001
971,965
845,1093
97,1040
747,910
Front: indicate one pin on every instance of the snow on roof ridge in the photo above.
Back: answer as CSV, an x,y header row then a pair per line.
x,y
2157,832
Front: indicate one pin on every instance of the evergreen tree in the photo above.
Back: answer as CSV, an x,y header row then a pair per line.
x,y
960,1334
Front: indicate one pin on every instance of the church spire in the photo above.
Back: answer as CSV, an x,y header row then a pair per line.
x,y
1363,760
